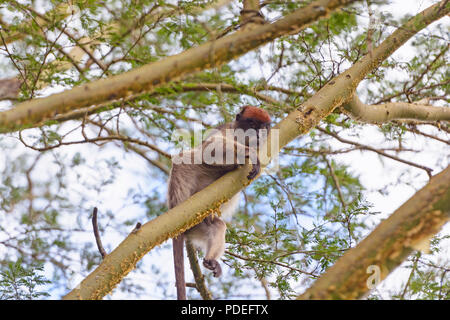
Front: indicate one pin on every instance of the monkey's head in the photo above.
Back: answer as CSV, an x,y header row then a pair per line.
x,y
253,118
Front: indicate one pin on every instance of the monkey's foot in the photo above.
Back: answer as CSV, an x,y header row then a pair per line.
x,y
213,265
255,170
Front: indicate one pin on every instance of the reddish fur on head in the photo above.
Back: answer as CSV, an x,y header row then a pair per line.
x,y
256,113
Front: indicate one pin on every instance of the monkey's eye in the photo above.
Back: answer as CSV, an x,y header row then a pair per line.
x,y
252,123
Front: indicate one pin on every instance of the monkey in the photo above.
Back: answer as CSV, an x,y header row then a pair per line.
x,y
227,153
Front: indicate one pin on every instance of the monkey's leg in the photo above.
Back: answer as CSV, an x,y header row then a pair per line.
x,y
215,246
178,258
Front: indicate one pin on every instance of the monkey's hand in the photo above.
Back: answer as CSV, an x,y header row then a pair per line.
x,y
213,265
256,168
209,220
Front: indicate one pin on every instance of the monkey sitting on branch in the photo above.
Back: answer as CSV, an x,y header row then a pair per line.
x,y
229,146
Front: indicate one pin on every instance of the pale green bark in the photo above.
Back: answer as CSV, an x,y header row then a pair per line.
x,y
383,113
154,75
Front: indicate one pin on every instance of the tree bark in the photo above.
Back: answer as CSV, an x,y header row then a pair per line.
x,y
154,75
123,259
78,52
382,113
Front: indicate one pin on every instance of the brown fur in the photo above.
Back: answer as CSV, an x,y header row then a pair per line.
x,y
251,112
187,179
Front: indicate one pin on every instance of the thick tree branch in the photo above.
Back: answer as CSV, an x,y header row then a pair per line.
x,y
250,14
190,212
123,259
154,75
10,92
382,113
341,89
409,227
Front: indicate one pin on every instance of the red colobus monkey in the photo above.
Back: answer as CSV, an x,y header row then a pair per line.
x,y
229,146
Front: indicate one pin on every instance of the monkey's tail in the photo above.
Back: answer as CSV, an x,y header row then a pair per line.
x,y
178,259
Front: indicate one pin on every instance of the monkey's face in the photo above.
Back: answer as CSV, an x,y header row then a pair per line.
x,y
253,118
255,122
251,123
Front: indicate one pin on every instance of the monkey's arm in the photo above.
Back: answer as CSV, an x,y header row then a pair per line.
x,y
227,154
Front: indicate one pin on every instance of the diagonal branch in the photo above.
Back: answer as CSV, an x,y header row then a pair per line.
x,y
192,211
336,183
98,239
381,113
154,75
177,87
416,131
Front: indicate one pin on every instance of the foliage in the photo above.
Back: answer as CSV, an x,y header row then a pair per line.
x,y
292,224
21,282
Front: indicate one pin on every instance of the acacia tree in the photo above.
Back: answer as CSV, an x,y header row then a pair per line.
x,y
131,72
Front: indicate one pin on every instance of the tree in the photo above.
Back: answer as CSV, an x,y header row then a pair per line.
x,y
133,72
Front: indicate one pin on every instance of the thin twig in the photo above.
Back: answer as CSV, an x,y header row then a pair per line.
x,y
416,131
337,137
269,261
413,269
200,284
136,228
336,183
116,137
191,285
98,240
